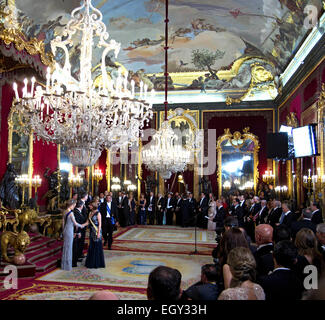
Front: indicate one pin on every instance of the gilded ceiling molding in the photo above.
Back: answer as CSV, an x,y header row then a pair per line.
x,y
10,33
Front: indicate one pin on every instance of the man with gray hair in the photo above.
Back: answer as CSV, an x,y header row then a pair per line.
x,y
320,234
275,214
304,222
262,214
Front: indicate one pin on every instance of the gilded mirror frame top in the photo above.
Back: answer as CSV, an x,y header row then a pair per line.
x,y
237,136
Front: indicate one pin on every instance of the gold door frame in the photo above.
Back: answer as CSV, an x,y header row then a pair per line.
x,y
237,135
30,147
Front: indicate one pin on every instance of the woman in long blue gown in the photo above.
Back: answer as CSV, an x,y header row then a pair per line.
x,y
69,223
95,256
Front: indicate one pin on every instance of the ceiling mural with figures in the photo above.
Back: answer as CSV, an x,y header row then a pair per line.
x,y
231,46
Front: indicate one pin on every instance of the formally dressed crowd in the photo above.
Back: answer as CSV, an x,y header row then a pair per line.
x,y
264,249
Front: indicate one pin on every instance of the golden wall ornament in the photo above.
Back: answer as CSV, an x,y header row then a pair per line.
x,y
261,78
237,141
10,33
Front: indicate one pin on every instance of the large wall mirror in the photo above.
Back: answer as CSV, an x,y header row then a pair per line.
x,y
20,146
237,161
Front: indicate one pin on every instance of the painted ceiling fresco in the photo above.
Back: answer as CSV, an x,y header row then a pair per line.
x,y
214,45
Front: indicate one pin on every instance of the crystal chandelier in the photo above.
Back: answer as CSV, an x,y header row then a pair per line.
x,y
77,112
165,153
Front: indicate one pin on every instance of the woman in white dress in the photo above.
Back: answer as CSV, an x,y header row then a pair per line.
x,y
239,274
212,212
69,223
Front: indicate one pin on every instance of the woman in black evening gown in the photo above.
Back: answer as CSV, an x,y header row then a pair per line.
x,y
95,255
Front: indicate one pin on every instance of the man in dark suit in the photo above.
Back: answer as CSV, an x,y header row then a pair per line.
x,y
275,214
287,217
125,210
178,203
184,207
151,208
206,289
84,213
317,217
243,203
282,284
238,212
77,238
170,209
305,222
108,210
249,221
160,208
219,218
203,208
260,217
192,208
263,254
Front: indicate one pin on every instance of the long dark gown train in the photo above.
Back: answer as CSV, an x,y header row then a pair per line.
x,y
95,255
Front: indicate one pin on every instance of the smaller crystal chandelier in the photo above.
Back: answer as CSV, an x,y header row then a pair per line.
x,y
165,153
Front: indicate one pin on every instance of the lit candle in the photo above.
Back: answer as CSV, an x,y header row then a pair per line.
x,y
309,170
145,91
141,89
48,78
32,89
25,88
16,91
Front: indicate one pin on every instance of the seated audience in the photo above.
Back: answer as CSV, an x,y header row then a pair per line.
x,y
281,233
308,254
263,254
164,284
242,274
104,295
305,222
282,284
207,288
320,234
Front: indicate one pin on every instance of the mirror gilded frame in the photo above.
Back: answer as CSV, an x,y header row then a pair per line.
x,y
23,149
237,141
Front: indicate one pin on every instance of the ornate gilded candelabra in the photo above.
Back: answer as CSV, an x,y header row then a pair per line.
x,y
36,183
281,192
268,177
98,176
308,184
75,181
318,185
23,181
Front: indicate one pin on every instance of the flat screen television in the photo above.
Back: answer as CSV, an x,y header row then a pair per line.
x,y
305,141
277,145
291,150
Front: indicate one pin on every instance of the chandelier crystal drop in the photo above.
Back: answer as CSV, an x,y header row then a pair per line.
x,y
81,114
165,153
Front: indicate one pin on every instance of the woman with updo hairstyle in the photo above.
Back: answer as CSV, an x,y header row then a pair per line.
x,y
242,268
308,254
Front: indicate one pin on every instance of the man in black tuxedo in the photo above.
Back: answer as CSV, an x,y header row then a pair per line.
x,y
160,209
317,217
108,209
191,209
178,202
203,208
119,206
238,212
275,214
243,203
260,217
287,217
249,219
305,222
219,218
184,210
170,209
84,213
125,210
77,238
263,254
282,284
151,208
